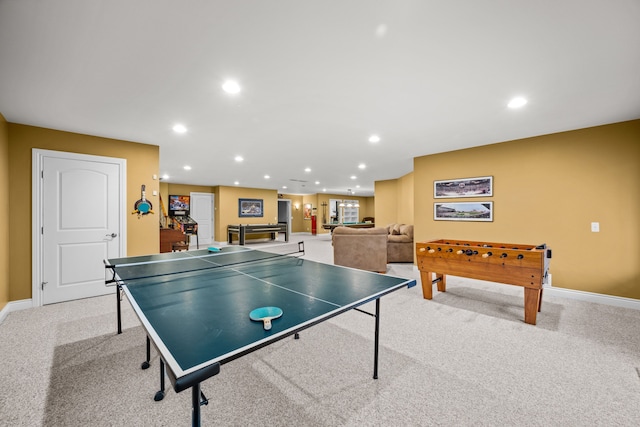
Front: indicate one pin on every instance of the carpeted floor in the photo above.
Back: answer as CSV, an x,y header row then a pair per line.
x,y
465,358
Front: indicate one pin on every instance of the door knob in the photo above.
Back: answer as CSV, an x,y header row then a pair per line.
x,y
112,235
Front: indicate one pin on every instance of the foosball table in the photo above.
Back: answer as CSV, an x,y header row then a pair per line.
x,y
514,264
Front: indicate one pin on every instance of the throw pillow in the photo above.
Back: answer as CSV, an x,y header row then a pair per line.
x,y
396,229
407,230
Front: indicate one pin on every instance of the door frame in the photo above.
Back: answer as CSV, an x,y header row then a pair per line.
x,y
37,215
213,213
289,216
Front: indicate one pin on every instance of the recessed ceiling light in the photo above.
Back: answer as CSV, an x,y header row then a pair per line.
x,y
231,86
238,158
179,128
362,166
267,177
187,168
165,176
324,189
307,169
317,182
354,177
284,186
517,102
357,186
374,138
236,183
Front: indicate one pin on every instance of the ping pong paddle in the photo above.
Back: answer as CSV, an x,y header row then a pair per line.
x,y
143,206
265,314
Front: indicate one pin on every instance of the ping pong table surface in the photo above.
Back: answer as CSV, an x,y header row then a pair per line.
x,y
195,305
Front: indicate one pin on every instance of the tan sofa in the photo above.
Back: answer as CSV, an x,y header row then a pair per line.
x,y
363,248
400,243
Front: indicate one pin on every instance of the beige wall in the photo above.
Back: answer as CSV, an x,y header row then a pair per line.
x,y
549,189
546,189
297,218
4,225
394,201
142,164
227,208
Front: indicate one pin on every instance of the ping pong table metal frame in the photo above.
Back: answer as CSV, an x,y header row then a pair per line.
x,y
194,378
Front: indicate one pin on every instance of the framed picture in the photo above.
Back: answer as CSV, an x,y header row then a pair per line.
x,y
463,211
481,186
307,211
250,207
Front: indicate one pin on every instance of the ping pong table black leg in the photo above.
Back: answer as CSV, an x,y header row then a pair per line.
x,y
118,298
375,345
147,362
160,393
195,405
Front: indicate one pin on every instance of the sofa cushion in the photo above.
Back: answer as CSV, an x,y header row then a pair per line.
x,y
407,230
395,229
400,238
358,231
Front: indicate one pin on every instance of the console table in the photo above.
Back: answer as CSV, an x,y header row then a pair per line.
x,y
243,229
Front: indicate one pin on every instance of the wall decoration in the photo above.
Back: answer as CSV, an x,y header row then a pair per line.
x,y
307,211
250,207
463,211
468,187
142,206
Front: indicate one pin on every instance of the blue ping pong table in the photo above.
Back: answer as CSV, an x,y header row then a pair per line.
x,y
195,305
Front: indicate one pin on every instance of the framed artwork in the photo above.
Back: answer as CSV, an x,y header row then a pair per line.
x,y
306,211
250,207
481,186
463,211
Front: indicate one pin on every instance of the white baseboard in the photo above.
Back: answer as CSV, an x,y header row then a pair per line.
x,y
15,306
592,297
584,296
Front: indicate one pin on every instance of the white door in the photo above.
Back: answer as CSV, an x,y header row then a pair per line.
x,y
81,224
202,213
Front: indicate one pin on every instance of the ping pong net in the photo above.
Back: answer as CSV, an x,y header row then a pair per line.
x,y
137,268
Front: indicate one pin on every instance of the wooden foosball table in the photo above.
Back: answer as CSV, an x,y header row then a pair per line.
x,y
514,264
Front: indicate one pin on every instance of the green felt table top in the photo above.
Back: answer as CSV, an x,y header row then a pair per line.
x,y
195,305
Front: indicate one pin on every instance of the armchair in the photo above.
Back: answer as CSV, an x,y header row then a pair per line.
x,y
363,248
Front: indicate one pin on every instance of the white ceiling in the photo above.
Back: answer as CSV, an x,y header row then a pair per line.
x,y
318,78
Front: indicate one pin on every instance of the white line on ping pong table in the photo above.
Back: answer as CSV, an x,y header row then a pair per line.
x,y
160,261
234,268
289,290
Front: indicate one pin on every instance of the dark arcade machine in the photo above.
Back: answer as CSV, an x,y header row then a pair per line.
x,y
179,209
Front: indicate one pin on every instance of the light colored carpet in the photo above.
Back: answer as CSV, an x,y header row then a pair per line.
x,y
465,358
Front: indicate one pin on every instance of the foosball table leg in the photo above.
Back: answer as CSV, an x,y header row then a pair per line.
x,y
540,302
532,299
427,284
